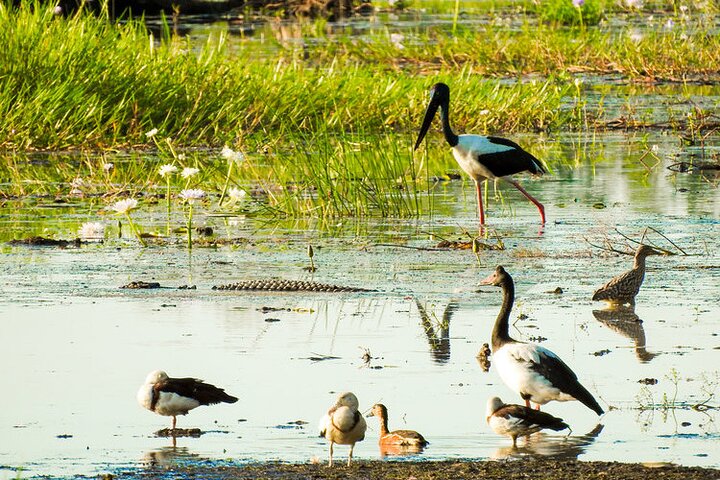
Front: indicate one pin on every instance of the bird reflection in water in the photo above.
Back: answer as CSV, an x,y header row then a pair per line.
x,y
400,450
437,331
483,357
169,456
550,446
623,320
174,433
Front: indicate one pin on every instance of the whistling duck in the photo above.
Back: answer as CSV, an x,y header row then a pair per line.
x,y
397,438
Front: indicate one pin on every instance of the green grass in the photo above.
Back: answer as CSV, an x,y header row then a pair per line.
x,y
84,82
536,49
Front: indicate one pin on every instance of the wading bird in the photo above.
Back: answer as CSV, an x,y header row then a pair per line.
x,y
534,372
177,396
479,156
519,421
343,424
397,442
624,288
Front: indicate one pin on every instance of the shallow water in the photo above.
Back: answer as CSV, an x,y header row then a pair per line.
x,y
76,347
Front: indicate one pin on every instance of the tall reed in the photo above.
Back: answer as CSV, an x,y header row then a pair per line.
x,y
84,82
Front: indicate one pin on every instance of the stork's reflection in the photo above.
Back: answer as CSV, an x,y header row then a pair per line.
x,y
437,330
169,456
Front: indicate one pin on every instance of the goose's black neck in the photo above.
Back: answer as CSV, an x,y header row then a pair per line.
x,y
500,333
450,136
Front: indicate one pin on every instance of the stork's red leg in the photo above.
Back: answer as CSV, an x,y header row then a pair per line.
x,y
531,198
527,402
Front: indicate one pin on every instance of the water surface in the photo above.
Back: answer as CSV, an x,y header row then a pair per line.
x,y
77,347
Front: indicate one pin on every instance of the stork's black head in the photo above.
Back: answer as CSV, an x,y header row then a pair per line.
x,y
439,96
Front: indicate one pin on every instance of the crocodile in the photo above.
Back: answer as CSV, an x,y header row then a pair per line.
x,y
277,285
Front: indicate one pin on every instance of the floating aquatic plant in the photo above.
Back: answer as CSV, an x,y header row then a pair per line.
x,y
166,172
124,207
233,158
187,173
190,196
93,231
236,195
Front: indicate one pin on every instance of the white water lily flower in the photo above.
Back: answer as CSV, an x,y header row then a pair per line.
x,y
237,194
77,185
231,155
92,231
634,3
396,39
78,182
167,169
636,36
189,172
192,194
151,133
125,206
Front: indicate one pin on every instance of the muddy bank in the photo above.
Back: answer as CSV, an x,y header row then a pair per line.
x,y
530,468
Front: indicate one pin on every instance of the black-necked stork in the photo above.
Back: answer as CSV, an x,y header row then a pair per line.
x,y
534,372
177,396
519,421
479,156
343,424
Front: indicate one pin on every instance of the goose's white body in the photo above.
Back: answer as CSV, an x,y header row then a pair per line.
x,y
513,362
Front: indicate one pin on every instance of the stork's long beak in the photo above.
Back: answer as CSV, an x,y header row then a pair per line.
x,y
429,115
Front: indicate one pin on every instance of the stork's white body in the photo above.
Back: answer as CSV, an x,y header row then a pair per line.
x,y
470,148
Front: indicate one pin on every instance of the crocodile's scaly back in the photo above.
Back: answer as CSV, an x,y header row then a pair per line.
x,y
275,285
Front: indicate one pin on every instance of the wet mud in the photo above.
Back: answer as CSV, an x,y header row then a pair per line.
x,y
450,470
